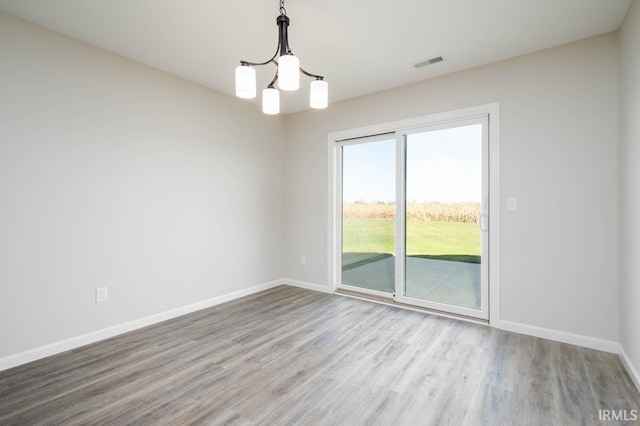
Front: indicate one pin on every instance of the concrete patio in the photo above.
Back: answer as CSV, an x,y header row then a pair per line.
x,y
450,282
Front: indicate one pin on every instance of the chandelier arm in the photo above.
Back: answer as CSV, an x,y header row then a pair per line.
x,y
318,77
273,82
257,64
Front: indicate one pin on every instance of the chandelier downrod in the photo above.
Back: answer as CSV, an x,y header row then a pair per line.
x,y
283,40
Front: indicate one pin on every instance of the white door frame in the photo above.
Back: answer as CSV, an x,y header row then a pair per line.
x,y
491,111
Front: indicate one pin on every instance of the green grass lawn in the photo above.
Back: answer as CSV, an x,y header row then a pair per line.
x,y
437,240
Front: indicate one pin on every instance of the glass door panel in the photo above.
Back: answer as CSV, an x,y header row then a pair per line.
x,y
445,199
368,216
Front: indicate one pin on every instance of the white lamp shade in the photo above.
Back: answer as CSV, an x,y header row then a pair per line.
x,y
288,72
270,101
319,94
245,82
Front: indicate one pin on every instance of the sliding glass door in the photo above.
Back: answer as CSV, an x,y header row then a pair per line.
x,y
414,216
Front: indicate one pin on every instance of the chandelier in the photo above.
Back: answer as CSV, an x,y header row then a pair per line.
x,y
287,75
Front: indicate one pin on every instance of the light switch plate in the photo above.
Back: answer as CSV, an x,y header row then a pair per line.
x,y
512,204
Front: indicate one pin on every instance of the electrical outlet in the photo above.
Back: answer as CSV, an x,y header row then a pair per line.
x,y
303,260
101,294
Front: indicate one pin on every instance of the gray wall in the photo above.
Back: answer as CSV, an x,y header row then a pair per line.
x,y
115,174
629,198
558,156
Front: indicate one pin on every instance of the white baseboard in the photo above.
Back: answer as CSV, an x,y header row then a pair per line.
x,y
561,336
308,286
85,339
626,361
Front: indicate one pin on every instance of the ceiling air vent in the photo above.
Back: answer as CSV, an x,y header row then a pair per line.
x,y
429,62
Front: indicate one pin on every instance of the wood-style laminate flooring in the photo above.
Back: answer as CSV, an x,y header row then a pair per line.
x,y
293,356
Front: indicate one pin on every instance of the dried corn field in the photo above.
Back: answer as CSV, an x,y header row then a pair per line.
x,y
434,212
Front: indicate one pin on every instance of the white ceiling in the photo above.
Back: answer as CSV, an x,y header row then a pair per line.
x,y
360,46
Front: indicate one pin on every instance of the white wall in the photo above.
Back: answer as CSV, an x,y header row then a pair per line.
x,y
629,184
115,174
558,111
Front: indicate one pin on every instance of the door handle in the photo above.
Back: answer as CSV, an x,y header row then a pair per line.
x,y
483,222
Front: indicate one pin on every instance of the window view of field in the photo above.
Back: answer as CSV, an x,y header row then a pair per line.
x,y
446,231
